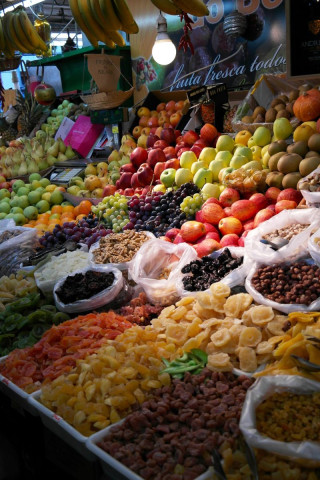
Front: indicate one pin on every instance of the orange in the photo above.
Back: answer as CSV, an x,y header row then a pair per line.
x,y
32,222
55,221
44,216
76,211
80,217
85,207
67,208
67,216
28,225
54,216
57,209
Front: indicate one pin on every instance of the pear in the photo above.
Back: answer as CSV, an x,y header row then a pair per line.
x,y
15,170
23,169
43,164
33,167
62,145
69,153
51,160
54,149
61,157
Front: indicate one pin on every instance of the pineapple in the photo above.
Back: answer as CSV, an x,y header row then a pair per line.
x,y
30,113
9,134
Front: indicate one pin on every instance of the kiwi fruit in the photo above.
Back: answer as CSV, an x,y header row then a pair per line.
x,y
308,165
274,179
312,154
301,148
284,98
283,114
293,95
277,146
277,101
273,161
289,108
258,111
247,119
279,107
270,116
289,162
291,179
314,142
259,118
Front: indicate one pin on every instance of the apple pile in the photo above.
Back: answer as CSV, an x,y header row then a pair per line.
x,y
227,221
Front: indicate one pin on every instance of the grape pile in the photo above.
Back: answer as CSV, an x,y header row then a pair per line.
x,y
114,211
192,204
83,232
158,212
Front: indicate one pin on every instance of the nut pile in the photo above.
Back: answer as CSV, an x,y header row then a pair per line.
x,y
288,417
311,183
172,435
286,232
84,285
206,271
119,247
7,235
294,283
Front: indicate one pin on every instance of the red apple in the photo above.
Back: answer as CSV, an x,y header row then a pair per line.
x,y
227,211
180,145
129,192
190,137
228,197
153,122
161,106
143,122
272,207
138,156
6,185
290,194
212,213
210,228
230,225
168,135
262,216
175,118
184,149
158,169
231,239
248,225
177,133
178,239
173,163
241,242
120,191
213,235
206,247
260,200
128,167
170,105
172,233
160,144
285,205
125,180
165,239
147,190
135,182
145,174
211,200
199,217
151,140
208,132
201,143
169,152
109,190
243,210
192,230
196,149
272,194
155,155
136,132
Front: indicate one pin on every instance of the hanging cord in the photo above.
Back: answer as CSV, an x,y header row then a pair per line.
x,y
42,17
66,26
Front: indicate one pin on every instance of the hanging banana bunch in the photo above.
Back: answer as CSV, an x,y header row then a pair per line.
x,y
101,20
18,34
178,7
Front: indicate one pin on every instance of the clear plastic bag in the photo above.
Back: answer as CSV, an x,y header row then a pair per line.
x,y
26,238
256,394
102,298
234,278
314,248
263,253
312,198
151,259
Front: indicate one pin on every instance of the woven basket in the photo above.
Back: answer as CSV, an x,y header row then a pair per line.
x,y
107,100
7,64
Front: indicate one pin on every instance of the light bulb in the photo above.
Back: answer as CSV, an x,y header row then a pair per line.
x,y
163,50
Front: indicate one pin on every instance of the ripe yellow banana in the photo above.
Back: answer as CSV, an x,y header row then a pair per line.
x,y
22,36
194,7
110,43
109,17
8,39
14,35
167,6
2,39
78,18
89,20
34,38
116,37
125,16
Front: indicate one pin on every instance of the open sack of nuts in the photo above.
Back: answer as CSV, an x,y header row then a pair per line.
x,y
309,186
88,289
287,286
118,249
157,268
290,228
281,415
228,265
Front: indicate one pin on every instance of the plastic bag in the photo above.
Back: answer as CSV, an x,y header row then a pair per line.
x,y
312,198
282,307
120,266
102,298
261,252
314,248
234,278
27,237
151,259
259,391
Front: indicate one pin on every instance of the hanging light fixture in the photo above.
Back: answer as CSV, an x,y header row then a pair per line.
x,y
163,50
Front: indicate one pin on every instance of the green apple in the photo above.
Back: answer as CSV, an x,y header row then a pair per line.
x,y
17,210
4,207
222,187
43,206
114,165
19,218
225,156
44,182
225,142
265,160
183,175
4,193
251,142
254,165
31,213
15,202
34,197
211,190
34,176
159,188
262,136
207,154
197,165
73,190
203,176
187,159
238,161
35,184
215,167
22,191
242,150
224,172
6,200
115,175
56,197
23,201
167,177
3,216
17,184
282,128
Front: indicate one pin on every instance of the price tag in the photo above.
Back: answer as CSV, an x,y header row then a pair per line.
x,y
197,95
218,93
115,129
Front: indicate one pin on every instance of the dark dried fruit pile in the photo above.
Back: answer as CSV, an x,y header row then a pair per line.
x,y
172,435
209,270
140,311
84,285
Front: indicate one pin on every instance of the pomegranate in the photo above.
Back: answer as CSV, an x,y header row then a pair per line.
x,y
45,94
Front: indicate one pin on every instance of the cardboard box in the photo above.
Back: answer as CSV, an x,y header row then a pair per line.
x,y
83,135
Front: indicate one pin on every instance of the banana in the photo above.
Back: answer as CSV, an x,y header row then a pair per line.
x,y
24,40
116,37
109,16
167,6
35,39
78,18
87,17
14,35
2,39
110,43
125,16
194,7
8,39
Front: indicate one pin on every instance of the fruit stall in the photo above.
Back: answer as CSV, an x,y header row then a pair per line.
x,y
160,270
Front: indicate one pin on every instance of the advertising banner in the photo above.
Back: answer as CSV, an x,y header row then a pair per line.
x,y
217,58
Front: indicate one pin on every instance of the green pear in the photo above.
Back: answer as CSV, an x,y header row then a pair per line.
x,y
62,146
69,153
54,150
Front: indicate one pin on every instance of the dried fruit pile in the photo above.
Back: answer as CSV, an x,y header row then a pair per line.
x,y
84,285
